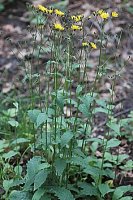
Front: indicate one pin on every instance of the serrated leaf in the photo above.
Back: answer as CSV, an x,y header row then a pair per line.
x,y
120,191
38,194
87,189
41,118
60,165
84,109
63,194
92,171
40,178
104,189
19,195
65,138
113,143
32,170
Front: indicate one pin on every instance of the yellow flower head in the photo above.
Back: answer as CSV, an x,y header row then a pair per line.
x,y
76,27
50,11
42,8
58,27
59,13
85,44
104,15
77,18
114,14
90,17
93,45
99,12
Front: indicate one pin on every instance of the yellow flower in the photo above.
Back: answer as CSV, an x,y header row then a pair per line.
x,y
50,11
59,13
93,45
114,14
42,8
76,27
85,44
100,11
104,15
77,18
58,27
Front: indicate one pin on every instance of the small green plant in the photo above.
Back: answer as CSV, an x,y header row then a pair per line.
x,y
63,161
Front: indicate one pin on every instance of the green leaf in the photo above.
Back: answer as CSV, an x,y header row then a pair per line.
x,y
62,193
41,118
32,170
94,146
84,109
92,171
120,191
130,9
126,198
20,140
60,100
79,89
40,178
115,127
87,189
7,184
60,165
2,7
38,194
9,155
104,189
122,157
18,170
33,114
19,195
13,123
33,166
101,110
12,112
113,143
65,138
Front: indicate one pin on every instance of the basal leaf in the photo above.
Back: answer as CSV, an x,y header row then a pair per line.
x,y
60,165
38,194
40,178
63,193
104,189
120,191
87,189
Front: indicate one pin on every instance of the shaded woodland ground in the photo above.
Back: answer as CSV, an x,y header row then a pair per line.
x,y
14,20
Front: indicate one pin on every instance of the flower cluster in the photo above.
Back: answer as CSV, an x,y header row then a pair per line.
x,y
105,15
75,18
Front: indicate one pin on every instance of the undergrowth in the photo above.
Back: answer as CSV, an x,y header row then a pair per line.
x,y
53,152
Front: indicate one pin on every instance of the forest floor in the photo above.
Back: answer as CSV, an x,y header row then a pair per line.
x,y
13,24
